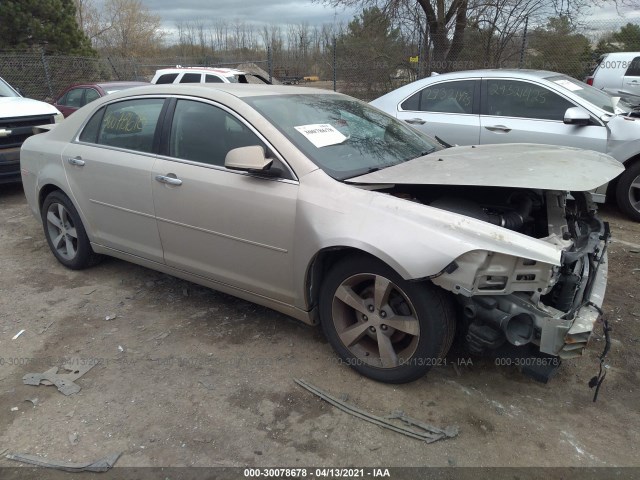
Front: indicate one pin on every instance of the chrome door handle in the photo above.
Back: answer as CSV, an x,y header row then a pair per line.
x,y
415,121
498,128
168,180
77,161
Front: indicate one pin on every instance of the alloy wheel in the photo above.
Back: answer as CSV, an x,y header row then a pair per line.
x,y
375,320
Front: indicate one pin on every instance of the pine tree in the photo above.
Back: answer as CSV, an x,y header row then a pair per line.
x,y
51,24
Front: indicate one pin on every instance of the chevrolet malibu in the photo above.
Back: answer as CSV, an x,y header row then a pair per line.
x,y
324,208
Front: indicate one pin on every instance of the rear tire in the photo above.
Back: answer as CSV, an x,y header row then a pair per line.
x,y
628,191
386,328
65,233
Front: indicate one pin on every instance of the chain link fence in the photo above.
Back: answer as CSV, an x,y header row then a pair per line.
x,y
359,69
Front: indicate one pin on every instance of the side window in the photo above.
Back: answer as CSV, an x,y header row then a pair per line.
x,y
166,78
203,133
130,124
634,68
73,98
90,132
511,98
212,79
91,95
412,103
63,99
190,78
448,97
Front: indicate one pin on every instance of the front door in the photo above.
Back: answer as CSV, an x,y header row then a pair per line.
x,y
232,227
516,111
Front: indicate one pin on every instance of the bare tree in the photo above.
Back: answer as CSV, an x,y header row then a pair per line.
x,y
445,21
128,28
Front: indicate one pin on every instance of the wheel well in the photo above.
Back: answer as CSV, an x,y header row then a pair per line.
x,y
613,184
319,266
44,192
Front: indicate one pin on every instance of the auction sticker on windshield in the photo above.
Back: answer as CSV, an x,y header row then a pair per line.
x,y
321,134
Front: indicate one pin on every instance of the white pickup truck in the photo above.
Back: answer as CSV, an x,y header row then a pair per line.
x,y
18,116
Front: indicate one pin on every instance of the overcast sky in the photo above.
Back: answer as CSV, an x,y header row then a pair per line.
x,y
250,11
286,12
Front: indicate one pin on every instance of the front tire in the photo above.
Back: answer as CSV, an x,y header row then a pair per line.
x,y
628,191
386,328
65,233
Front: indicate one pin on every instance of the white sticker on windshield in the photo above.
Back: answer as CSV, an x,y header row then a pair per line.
x,y
568,85
321,134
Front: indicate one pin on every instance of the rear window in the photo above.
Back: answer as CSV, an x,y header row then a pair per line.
x,y
597,64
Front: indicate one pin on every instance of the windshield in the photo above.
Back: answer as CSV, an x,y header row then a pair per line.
x,y
343,136
596,97
6,90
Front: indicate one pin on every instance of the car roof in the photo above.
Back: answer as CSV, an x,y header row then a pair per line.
x,y
120,84
208,89
223,71
498,72
115,83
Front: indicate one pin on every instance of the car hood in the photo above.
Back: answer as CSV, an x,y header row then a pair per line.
x,y
11,107
510,165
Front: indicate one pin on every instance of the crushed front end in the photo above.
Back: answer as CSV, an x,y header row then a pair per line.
x,y
521,301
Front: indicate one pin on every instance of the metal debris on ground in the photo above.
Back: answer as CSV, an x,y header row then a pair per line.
x,y
101,465
46,327
428,433
18,334
76,367
33,400
14,409
111,316
400,415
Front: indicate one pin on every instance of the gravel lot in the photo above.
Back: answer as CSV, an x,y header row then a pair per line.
x,y
190,377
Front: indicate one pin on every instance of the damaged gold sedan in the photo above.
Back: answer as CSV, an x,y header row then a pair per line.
x,y
322,207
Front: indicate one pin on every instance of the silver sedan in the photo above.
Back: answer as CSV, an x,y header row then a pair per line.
x,y
503,106
326,209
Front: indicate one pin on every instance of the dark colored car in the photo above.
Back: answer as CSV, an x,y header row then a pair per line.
x,y
77,96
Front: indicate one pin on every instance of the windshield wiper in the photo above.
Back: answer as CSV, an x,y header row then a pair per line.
x,y
443,143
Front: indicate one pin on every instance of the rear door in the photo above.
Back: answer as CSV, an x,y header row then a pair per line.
x,y
522,111
448,110
109,171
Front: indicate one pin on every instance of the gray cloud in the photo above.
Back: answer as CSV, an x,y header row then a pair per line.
x,y
259,12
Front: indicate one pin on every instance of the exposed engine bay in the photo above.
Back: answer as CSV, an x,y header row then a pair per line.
x,y
517,300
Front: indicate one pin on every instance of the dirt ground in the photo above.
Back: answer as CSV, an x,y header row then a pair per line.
x,y
186,376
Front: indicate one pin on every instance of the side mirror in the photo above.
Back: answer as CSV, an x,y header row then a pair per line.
x,y
577,116
247,159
